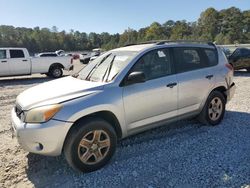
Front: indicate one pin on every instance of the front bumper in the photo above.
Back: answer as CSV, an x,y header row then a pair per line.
x,y
231,91
45,139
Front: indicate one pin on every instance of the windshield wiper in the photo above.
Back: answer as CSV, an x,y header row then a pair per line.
x,y
97,65
109,69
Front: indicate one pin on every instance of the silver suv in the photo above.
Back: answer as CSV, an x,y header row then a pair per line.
x,y
124,91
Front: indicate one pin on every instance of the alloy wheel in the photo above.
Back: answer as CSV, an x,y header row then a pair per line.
x,y
93,147
215,109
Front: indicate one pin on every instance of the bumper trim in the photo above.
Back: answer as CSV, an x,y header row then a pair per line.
x,y
230,92
50,135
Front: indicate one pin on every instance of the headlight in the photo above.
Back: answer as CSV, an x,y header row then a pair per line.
x,y
42,114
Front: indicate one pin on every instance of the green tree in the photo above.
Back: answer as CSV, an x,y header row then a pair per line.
x,y
208,24
181,30
154,32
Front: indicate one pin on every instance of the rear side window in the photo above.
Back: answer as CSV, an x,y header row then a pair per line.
x,y
211,57
187,59
3,54
16,54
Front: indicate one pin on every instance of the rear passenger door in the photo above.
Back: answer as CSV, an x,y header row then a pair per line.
x,y
195,78
4,65
19,64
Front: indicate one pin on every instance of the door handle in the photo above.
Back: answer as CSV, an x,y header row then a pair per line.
x,y
209,76
25,60
3,61
171,85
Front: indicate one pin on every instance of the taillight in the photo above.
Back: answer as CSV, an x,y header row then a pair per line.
x,y
229,66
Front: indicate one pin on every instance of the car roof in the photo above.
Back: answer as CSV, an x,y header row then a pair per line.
x,y
134,48
142,47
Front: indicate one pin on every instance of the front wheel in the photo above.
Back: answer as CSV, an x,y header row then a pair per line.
x,y
214,109
90,145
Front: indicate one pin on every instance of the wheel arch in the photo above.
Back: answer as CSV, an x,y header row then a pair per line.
x,y
56,65
105,115
221,89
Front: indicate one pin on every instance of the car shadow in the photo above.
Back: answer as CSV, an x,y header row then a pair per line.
x,y
136,162
241,73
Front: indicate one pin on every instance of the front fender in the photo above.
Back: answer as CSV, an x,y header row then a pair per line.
x,y
79,108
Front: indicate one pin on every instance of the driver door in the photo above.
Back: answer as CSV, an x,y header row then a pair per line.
x,y
155,99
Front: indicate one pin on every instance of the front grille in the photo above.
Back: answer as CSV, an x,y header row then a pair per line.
x,y
18,111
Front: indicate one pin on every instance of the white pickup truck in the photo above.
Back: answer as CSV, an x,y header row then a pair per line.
x,y
16,61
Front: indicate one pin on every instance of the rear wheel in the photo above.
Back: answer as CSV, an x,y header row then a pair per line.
x,y
90,145
214,109
55,72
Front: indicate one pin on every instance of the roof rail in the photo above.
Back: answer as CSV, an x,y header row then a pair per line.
x,y
185,41
145,42
161,42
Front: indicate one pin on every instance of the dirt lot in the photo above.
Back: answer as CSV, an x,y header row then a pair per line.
x,y
184,154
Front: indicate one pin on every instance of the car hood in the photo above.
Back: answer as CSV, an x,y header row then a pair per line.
x,y
57,91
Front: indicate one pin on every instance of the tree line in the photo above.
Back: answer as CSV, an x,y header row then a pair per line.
x,y
227,26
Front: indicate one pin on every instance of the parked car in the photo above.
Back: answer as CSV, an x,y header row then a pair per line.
x,y
85,58
240,59
16,61
123,92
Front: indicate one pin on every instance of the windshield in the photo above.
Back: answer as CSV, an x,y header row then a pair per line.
x,y
106,67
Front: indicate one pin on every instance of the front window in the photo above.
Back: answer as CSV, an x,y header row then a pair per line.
x,y
154,64
106,67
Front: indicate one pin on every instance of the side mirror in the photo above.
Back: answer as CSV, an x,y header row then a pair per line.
x,y
135,77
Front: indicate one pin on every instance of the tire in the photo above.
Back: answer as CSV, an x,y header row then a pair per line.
x,y
96,156
55,72
214,109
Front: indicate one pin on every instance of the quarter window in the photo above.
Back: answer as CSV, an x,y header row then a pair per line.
x,y
154,64
187,59
3,54
16,54
211,57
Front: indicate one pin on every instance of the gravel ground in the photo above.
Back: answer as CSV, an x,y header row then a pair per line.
x,y
184,154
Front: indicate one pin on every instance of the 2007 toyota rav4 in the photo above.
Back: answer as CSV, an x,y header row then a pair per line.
x,y
123,92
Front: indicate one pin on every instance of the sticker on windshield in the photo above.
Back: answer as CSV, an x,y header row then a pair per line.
x,y
121,58
161,54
